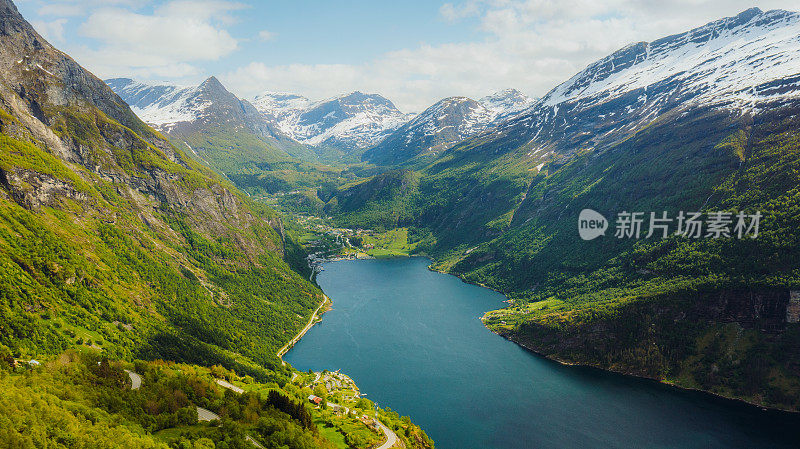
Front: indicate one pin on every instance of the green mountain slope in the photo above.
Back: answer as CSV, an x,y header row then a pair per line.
x,y
704,313
112,237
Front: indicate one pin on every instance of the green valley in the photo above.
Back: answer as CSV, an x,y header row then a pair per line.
x,y
117,250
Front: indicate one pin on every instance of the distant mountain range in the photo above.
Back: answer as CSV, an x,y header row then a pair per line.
x,y
201,119
446,123
336,129
349,122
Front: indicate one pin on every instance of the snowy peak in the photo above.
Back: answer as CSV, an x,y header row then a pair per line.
x,y
435,129
742,64
725,61
507,102
278,103
456,117
160,105
212,84
165,106
446,123
177,110
352,121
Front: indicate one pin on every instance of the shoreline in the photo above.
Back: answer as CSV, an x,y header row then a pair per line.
x,y
315,318
738,401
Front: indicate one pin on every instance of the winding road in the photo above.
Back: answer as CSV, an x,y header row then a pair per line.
x,y
207,415
229,386
391,438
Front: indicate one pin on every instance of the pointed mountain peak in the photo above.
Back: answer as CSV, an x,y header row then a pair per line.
x,y
750,13
212,83
13,24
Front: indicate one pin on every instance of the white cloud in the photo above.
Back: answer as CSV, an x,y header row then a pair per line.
x,y
454,13
531,45
52,31
169,41
109,63
187,38
266,35
202,10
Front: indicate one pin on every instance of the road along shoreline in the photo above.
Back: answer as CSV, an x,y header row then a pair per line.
x,y
311,322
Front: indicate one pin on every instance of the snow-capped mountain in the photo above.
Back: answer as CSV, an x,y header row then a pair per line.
x,y
738,64
447,122
184,112
350,122
507,102
732,60
161,106
171,108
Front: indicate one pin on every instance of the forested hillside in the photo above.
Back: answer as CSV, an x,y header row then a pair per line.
x,y
113,238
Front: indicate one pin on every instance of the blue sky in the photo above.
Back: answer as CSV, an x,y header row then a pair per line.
x,y
413,52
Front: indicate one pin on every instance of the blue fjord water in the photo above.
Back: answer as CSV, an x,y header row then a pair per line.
x,y
412,341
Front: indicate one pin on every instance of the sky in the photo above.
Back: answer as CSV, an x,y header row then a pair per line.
x,y
414,52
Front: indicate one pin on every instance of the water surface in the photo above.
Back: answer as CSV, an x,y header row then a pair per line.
x,y
412,341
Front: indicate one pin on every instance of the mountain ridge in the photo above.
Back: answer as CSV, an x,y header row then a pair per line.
x,y
446,123
349,121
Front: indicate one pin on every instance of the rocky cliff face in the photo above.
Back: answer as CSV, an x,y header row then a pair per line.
x,y
764,310
32,189
52,101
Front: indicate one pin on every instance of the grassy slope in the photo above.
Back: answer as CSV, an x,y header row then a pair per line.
x,y
255,165
82,400
110,233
